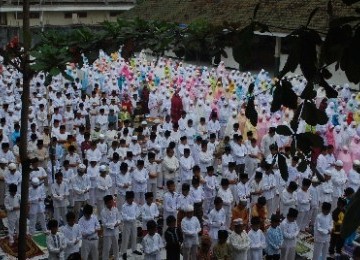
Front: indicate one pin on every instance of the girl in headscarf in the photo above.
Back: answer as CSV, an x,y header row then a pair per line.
x,y
345,157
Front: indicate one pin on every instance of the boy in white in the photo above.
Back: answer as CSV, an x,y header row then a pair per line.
x,y
314,203
322,231
89,228
111,220
12,206
232,176
354,176
153,169
269,184
170,198
55,242
37,206
123,183
326,188
152,243
93,171
303,204
72,235
114,170
290,231
140,177
190,227
225,193
59,191
149,211
257,240
288,198
216,220
339,180
81,185
129,213
103,188
186,164
210,185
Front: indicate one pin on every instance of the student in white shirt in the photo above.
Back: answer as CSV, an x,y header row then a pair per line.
x,y
322,232
55,242
210,185
315,201
186,164
226,158
37,206
152,243
326,188
354,176
190,227
139,182
103,188
269,185
110,217
149,211
216,219
89,228
81,186
153,170
123,183
129,212
12,206
288,198
72,235
197,194
339,179
170,198
303,204
232,176
225,193
59,192
257,240
290,232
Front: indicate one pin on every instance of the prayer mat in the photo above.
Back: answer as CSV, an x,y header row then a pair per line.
x,y
32,249
40,240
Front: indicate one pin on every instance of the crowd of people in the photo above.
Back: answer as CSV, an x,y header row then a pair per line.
x,y
167,147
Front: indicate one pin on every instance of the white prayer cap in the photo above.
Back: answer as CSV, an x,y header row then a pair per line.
x,y
339,163
17,106
35,181
144,122
328,173
134,138
82,166
314,179
103,168
357,162
345,148
189,208
38,95
243,201
3,160
337,127
101,136
157,121
238,222
12,166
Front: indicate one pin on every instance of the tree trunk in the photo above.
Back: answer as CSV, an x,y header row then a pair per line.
x,y
25,162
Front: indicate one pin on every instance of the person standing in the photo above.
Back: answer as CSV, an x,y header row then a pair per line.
x,y
239,240
322,231
190,227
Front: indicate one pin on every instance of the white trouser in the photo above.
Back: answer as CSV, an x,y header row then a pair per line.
x,y
287,253
34,218
60,213
321,250
189,253
140,197
13,224
89,249
129,234
108,242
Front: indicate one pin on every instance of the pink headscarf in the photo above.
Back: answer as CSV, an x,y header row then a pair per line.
x,y
345,157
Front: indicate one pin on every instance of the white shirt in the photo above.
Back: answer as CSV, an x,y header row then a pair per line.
x,y
269,184
103,188
183,201
72,238
338,179
130,212
139,180
290,231
216,220
81,185
197,194
226,196
152,245
288,200
323,227
257,239
326,191
148,212
186,165
56,245
210,185
354,179
59,194
110,219
190,228
170,202
303,200
123,180
89,227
